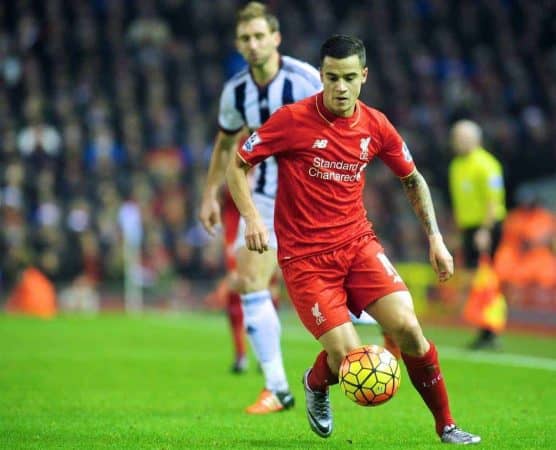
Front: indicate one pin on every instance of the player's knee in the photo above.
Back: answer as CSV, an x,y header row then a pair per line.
x,y
408,335
248,284
337,353
237,284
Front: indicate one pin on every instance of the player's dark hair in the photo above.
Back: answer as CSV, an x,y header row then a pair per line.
x,y
342,46
254,10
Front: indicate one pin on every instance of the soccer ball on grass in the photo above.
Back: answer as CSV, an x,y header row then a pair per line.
x,y
369,375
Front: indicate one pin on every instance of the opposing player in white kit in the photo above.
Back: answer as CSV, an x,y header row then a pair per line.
x,y
248,99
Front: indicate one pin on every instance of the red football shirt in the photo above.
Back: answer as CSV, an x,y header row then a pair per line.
x,y
321,157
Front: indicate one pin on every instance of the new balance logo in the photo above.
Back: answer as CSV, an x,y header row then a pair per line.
x,y
320,143
319,318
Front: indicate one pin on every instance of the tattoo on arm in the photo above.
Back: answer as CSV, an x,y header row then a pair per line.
x,y
419,195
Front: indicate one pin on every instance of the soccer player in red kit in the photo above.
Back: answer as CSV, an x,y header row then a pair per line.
x,y
331,259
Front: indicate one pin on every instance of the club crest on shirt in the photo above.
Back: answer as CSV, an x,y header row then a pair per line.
x,y
364,146
250,143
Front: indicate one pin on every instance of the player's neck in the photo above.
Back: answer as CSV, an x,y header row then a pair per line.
x,y
265,73
340,113
351,117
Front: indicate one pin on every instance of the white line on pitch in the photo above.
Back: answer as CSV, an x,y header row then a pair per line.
x,y
295,332
459,354
501,359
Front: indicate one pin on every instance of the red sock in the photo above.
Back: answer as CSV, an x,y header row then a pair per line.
x,y
321,376
425,375
235,316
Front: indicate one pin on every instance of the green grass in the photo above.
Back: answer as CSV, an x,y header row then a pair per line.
x,y
162,382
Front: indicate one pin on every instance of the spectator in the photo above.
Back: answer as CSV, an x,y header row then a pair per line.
x,y
38,142
527,253
129,77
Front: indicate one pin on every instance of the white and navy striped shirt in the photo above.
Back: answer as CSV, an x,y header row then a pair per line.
x,y
244,103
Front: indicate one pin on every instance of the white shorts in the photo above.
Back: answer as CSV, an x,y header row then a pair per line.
x,y
265,205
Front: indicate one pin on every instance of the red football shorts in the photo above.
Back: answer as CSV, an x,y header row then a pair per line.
x,y
230,222
323,287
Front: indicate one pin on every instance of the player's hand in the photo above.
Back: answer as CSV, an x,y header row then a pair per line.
x,y
209,214
441,259
482,240
256,234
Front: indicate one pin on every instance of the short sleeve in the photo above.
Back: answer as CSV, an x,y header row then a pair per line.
x,y
270,139
492,178
311,84
394,151
229,118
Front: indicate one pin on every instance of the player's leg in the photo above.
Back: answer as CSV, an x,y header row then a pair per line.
x,y
336,344
360,315
263,327
275,286
235,319
374,284
396,315
255,271
366,319
316,288
230,221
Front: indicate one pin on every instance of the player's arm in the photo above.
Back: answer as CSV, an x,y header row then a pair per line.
x,y
491,183
256,234
418,193
270,139
397,156
224,146
483,238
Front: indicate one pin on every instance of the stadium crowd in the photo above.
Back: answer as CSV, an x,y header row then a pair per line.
x,y
102,101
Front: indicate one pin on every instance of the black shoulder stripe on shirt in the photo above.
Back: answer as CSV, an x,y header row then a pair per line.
x,y
264,110
239,94
261,181
313,80
287,92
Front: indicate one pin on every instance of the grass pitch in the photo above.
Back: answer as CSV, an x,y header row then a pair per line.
x,y
162,382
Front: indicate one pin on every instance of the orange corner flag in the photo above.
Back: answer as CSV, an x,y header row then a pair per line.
x,y
486,306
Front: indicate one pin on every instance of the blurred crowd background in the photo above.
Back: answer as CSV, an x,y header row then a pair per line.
x,y
106,101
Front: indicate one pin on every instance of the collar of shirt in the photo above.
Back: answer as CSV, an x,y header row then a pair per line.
x,y
334,120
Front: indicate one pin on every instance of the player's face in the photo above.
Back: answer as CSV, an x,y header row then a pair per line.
x,y
342,80
256,42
